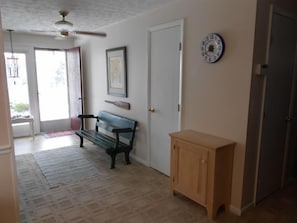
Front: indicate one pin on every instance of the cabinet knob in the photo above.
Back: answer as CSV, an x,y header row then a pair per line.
x,y
203,161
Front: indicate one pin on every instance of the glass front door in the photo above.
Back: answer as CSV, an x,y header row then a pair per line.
x,y
52,89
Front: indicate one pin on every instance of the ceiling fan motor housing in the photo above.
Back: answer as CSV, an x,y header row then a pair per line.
x,y
63,25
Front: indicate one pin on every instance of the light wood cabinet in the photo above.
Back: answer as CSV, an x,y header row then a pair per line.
x,y
201,169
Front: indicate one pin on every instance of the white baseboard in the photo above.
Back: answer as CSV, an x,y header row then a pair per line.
x,y
238,211
235,210
144,162
248,207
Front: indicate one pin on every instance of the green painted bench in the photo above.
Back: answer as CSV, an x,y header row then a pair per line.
x,y
112,132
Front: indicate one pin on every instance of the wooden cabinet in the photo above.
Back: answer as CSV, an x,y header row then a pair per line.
x,y
201,169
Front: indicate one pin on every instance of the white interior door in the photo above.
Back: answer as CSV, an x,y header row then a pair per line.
x,y
282,57
164,105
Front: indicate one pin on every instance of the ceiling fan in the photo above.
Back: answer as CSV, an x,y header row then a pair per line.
x,y
65,28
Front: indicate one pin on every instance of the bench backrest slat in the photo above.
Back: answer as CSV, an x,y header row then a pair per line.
x,y
118,122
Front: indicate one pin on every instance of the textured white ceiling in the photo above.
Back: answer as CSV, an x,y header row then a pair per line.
x,y
86,15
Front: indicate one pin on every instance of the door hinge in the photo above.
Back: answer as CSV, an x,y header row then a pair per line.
x,y
180,46
178,107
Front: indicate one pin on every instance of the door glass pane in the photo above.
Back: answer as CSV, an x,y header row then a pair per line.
x,y
18,87
52,84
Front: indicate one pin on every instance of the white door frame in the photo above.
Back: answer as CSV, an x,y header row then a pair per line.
x,y
273,10
180,23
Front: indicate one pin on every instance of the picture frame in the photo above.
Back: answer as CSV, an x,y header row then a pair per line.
x,y
116,63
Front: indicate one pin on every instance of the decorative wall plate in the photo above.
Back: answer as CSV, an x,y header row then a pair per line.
x,y
212,47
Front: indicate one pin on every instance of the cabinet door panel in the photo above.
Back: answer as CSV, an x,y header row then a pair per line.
x,y
191,176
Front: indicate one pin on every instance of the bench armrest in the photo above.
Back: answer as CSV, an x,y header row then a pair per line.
x,y
82,116
117,131
86,116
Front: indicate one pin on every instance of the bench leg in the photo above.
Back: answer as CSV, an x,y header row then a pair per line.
x,y
81,141
127,158
113,158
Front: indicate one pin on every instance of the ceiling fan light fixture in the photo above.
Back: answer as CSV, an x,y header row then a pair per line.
x,y
64,33
12,61
63,25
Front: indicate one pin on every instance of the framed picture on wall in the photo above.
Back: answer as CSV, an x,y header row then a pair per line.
x,y
116,63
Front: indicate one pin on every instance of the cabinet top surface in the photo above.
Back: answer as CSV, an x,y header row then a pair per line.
x,y
202,139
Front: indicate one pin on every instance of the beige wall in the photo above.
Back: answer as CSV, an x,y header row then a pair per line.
x,y
215,96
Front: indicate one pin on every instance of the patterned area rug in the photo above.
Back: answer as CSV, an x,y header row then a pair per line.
x,y
60,166
58,134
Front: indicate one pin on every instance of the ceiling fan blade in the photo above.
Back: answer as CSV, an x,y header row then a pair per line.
x,y
90,33
42,31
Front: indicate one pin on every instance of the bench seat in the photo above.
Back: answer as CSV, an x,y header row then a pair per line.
x,y
105,141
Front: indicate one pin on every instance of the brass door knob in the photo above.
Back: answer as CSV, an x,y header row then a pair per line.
x,y
152,110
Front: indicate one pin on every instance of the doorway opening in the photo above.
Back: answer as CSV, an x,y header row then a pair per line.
x,y
59,88
279,127
52,84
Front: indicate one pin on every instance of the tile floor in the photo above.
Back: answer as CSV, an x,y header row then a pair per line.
x,y
280,207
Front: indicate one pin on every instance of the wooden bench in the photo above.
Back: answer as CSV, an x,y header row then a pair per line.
x,y
112,132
